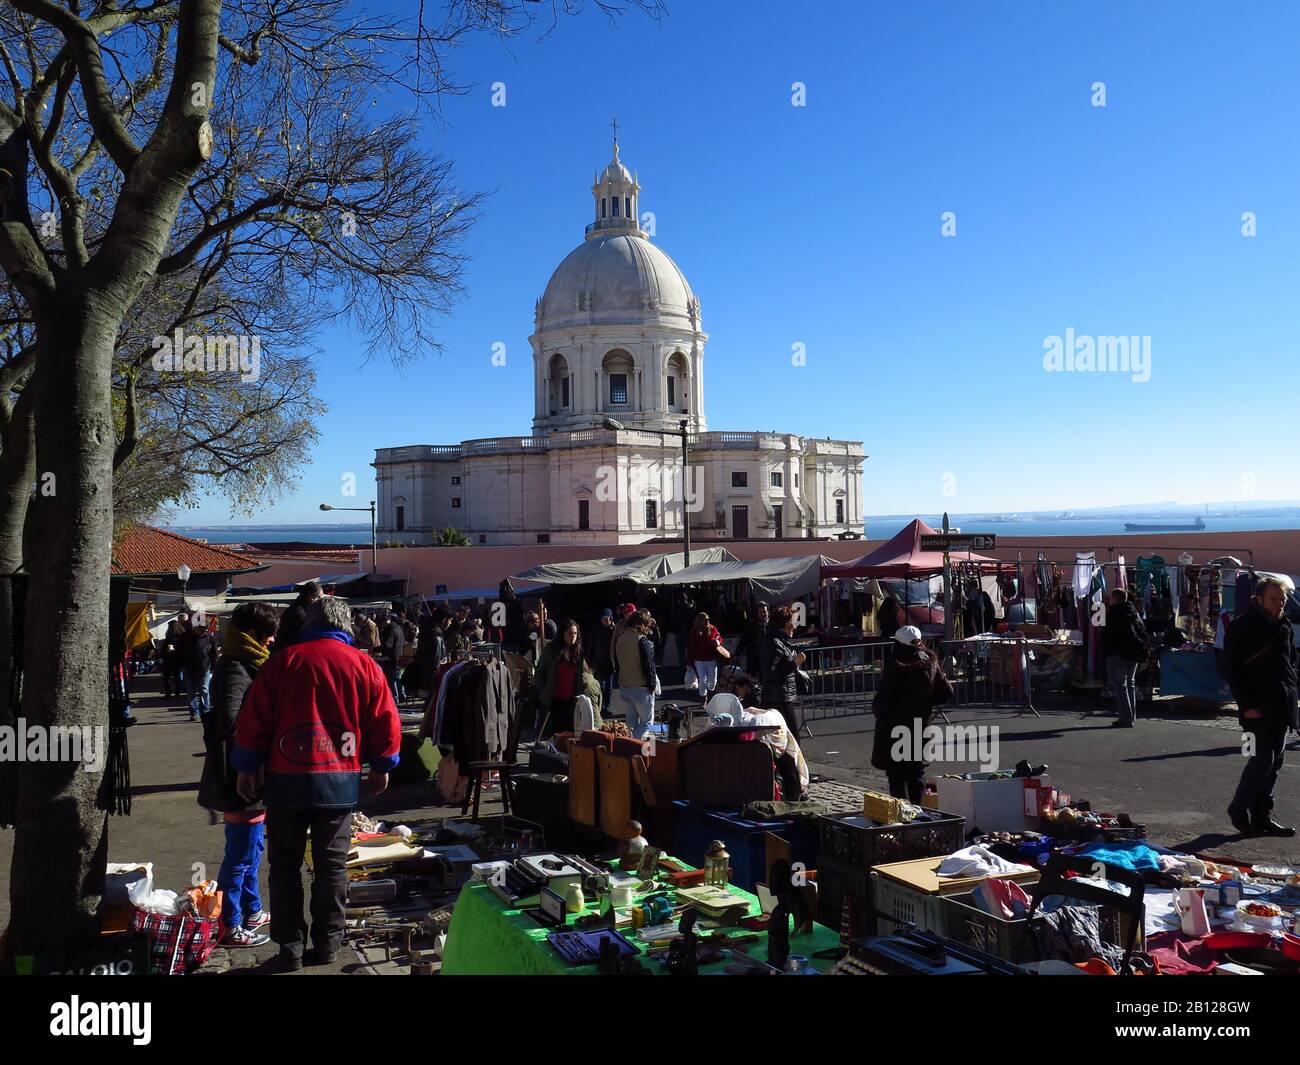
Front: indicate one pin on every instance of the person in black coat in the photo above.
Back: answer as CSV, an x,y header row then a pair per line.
x,y
291,621
199,657
754,637
903,707
889,617
244,650
1260,653
780,663
1124,646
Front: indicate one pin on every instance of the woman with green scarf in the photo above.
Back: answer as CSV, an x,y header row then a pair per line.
x,y
243,651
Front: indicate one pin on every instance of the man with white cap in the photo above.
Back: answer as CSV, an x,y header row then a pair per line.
x,y
905,701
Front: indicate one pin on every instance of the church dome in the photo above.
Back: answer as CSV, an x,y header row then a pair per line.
x,y
616,276
616,279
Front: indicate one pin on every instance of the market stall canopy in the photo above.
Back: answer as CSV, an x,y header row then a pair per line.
x,y
900,557
480,593
641,569
774,579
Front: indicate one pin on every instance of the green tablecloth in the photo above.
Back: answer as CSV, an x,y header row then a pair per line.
x,y
486,939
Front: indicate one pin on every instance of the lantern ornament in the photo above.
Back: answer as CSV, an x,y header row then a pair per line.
x,y
717,865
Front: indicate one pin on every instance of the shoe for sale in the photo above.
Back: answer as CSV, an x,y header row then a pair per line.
x,y
1271,828
1240,824
245,937
258,919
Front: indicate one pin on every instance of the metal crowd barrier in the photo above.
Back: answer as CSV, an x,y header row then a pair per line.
x,y
984,674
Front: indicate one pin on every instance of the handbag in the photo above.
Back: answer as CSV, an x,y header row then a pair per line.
x,y
692,681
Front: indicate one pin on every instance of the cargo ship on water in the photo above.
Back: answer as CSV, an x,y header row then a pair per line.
x,y
1194,526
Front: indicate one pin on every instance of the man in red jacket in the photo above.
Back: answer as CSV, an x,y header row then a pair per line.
x,y
315,713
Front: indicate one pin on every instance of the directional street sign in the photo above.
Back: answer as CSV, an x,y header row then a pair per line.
x,y
959,542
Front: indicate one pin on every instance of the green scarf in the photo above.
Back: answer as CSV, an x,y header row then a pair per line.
x,y
242,645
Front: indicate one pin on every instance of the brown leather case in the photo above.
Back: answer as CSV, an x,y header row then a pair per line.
x,y
584,783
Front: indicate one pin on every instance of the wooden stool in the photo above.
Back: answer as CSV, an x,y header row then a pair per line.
x,y
477,771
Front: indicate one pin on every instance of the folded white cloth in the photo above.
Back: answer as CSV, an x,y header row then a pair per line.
x,y
979,861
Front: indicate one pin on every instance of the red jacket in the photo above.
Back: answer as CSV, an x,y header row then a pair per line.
x,y
703,647
316,711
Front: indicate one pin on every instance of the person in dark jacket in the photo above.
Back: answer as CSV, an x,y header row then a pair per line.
x,y
753,638
889,617
903,707
171,657
295,615
243,651
199,654
1260,652
1124,645
597,650
515,636
780,664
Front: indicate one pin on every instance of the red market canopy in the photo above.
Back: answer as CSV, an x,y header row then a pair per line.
x,y
900,557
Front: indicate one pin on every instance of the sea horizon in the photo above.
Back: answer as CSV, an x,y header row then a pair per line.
x,y
877,527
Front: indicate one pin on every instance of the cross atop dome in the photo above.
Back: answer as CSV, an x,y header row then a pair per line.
x,y
616,194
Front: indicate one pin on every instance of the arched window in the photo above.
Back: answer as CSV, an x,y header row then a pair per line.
x,y
558,384
617,369
677,391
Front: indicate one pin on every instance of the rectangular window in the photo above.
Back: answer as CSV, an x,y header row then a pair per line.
x,y
564,392
672,391
584,513
740,480
455,502
618,388
740,522
604,203
776,479
839,512
796,478
543,538
778,521
615,206
627,206
482,539
652,513
455,480
401,518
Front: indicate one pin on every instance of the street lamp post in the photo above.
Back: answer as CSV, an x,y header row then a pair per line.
x,y
374,536
183,575
682,426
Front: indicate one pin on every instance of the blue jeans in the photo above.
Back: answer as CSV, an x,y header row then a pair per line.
x,y
196,687
640,706
1122,675
238,876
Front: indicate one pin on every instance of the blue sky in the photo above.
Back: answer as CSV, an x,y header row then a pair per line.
x,y
821,225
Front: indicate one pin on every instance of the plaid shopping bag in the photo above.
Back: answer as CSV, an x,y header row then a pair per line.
x,y
178,944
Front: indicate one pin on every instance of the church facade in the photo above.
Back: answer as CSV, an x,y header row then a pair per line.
x,y
618,380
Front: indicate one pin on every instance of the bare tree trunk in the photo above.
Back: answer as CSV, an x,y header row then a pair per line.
x,y
60,841
17,472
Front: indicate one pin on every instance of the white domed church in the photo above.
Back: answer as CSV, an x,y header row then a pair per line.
x,y
618,379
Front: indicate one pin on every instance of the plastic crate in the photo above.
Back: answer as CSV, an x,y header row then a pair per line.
x,y
966,923
907,905
835,886
854,841
695,827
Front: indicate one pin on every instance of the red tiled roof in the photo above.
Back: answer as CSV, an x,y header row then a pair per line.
x,y
146,550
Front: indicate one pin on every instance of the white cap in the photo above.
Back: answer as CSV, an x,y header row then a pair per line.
x,y
908,634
